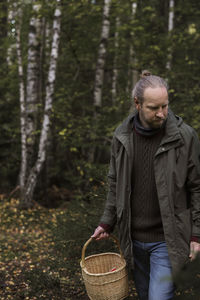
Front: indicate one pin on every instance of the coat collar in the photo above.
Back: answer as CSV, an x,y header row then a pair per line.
x,y
124,133
172,137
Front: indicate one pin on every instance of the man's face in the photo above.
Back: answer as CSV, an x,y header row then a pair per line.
x,y
153,111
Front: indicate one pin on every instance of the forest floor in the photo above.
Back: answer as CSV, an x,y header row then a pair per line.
x,y
40,250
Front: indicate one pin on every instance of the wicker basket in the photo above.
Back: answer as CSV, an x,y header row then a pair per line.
x,y
105,275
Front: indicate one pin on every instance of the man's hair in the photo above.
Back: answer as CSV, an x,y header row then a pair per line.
x,y
147,80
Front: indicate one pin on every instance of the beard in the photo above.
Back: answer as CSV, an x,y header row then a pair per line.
x,y
152,123
157,123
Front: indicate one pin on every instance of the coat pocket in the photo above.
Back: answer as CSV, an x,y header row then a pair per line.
x,y
183,228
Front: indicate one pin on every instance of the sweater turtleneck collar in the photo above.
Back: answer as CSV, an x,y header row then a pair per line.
x,y
145,131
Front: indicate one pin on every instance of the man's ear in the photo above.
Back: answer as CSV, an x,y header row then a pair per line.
x,y
137,104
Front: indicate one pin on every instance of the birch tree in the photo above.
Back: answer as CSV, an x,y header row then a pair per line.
x,y
49,158
132,74
22,176
28,95
170,28
28,180
32,81
99,75
32,178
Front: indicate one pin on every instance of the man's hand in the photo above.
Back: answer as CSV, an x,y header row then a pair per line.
x,y
194,250
100,234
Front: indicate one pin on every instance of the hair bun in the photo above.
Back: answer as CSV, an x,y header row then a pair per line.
x,y
145,73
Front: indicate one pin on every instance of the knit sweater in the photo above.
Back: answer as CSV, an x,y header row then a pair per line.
x,y
145,211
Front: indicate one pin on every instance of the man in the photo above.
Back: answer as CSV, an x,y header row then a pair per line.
x,y
154,191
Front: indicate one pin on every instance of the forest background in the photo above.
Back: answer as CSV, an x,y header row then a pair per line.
x,y
99,50
67,72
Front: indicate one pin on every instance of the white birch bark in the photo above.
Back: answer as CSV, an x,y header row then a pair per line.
x,y
132,74
22,112
32,178
99,76
32,82
22,175
115,70
45,49
49,157
170,28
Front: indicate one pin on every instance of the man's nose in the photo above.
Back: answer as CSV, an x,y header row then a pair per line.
x,y
160,114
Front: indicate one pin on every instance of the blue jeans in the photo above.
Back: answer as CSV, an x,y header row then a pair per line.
x,y
152,272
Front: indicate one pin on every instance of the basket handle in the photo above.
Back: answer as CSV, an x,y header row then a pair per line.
x,y
89,241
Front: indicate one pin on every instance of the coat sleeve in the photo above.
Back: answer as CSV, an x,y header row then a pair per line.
x,y
109,215
193,183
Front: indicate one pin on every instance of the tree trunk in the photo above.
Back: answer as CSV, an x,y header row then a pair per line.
x,y
99,74
170,28
23,167
35,171
32,83
132,73
45,54
102,55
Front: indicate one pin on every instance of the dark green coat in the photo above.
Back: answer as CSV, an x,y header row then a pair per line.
x,y
177,174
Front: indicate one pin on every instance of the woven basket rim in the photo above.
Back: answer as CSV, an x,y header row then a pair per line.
x,y
106,273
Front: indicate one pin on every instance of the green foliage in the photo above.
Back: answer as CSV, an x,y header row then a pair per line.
x,y
78,156
9,112
184,78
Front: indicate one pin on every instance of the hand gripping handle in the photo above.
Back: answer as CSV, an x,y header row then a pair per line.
x,y
89,241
